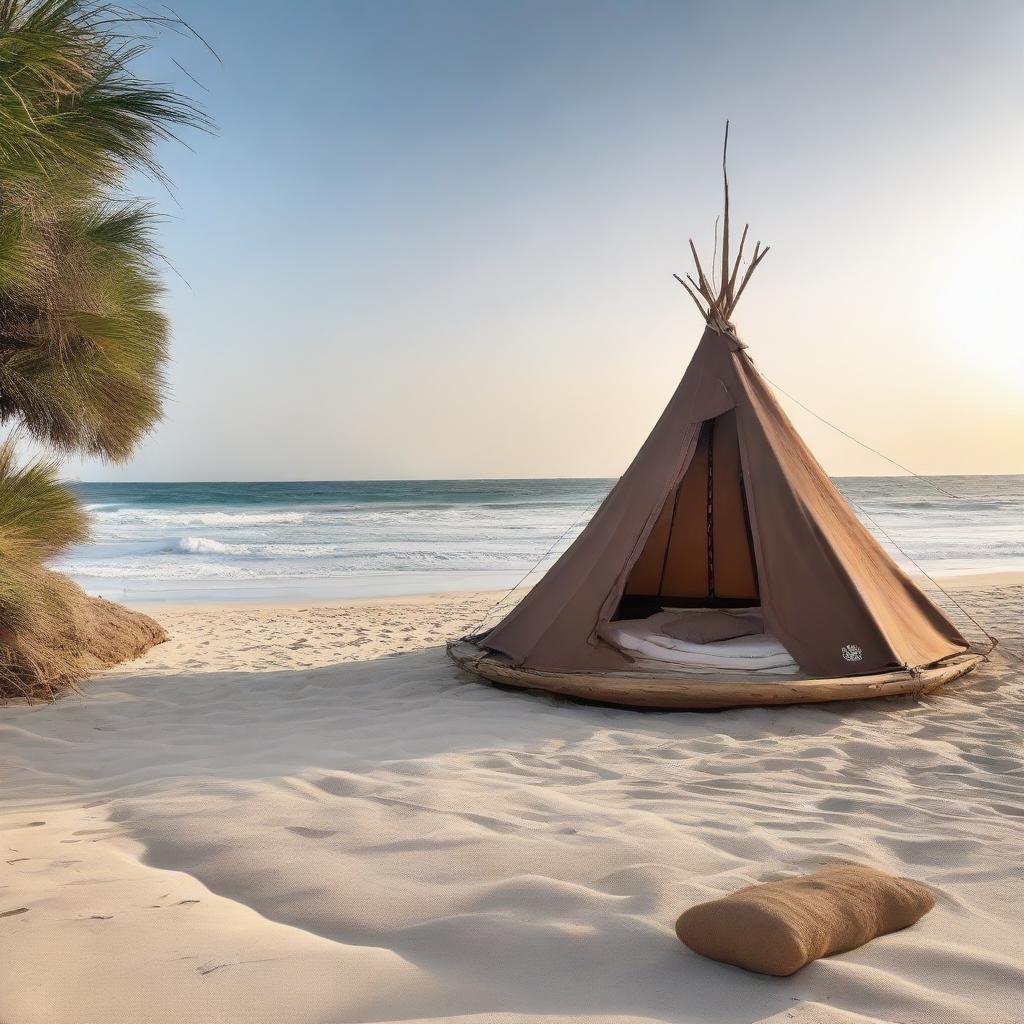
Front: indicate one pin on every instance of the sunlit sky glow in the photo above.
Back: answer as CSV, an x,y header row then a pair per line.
x,y
436,239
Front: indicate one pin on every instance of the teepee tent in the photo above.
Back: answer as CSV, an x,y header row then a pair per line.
x,y
724,506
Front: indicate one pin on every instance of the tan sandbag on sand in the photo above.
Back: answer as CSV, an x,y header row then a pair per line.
x,y
778,927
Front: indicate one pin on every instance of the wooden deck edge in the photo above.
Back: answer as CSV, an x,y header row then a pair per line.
x,y
652,691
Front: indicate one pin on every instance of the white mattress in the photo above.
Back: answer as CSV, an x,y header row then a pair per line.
x,y
759,652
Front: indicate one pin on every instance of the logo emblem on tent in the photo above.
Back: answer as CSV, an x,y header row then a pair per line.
x,y
852,652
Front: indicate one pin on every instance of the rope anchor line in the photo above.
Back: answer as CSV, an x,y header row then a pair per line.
x,y
866,447
533,568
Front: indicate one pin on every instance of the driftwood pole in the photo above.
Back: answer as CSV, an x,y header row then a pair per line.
x,y
719,302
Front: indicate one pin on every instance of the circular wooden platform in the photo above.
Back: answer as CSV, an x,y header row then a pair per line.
x,y
670,690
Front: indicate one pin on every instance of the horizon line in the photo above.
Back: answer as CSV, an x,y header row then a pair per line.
x,y
503,479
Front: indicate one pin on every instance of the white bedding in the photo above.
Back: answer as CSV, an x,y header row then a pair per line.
x,y
759,652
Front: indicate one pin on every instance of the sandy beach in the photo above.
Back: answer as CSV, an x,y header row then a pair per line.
x,y
303,813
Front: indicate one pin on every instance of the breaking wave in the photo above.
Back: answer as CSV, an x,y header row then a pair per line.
x,y
159,517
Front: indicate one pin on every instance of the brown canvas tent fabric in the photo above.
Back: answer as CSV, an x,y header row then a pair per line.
x,y
724,500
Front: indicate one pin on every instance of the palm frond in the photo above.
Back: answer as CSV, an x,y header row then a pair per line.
x,y
69,99
36,510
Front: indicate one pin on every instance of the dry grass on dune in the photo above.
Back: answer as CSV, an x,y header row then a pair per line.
x,y
69,637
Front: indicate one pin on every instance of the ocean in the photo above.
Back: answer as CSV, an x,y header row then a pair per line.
x,y
345,539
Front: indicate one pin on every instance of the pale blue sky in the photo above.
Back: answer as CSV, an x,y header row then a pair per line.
x,y
435,239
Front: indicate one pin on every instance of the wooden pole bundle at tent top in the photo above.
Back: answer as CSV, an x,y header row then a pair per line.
x,y
720,298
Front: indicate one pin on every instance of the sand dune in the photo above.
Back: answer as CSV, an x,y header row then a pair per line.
x,y
241,827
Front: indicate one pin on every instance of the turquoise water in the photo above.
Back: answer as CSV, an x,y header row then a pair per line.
x,y
284,541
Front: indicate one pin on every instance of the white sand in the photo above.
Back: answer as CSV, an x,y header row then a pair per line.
x,y
241,827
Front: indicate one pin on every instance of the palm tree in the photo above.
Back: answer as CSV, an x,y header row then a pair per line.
x,y
83,341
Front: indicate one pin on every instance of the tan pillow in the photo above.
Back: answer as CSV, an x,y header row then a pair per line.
x,y
778,927
709,627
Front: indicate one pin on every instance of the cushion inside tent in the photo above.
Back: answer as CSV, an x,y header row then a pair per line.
x,y
644,639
